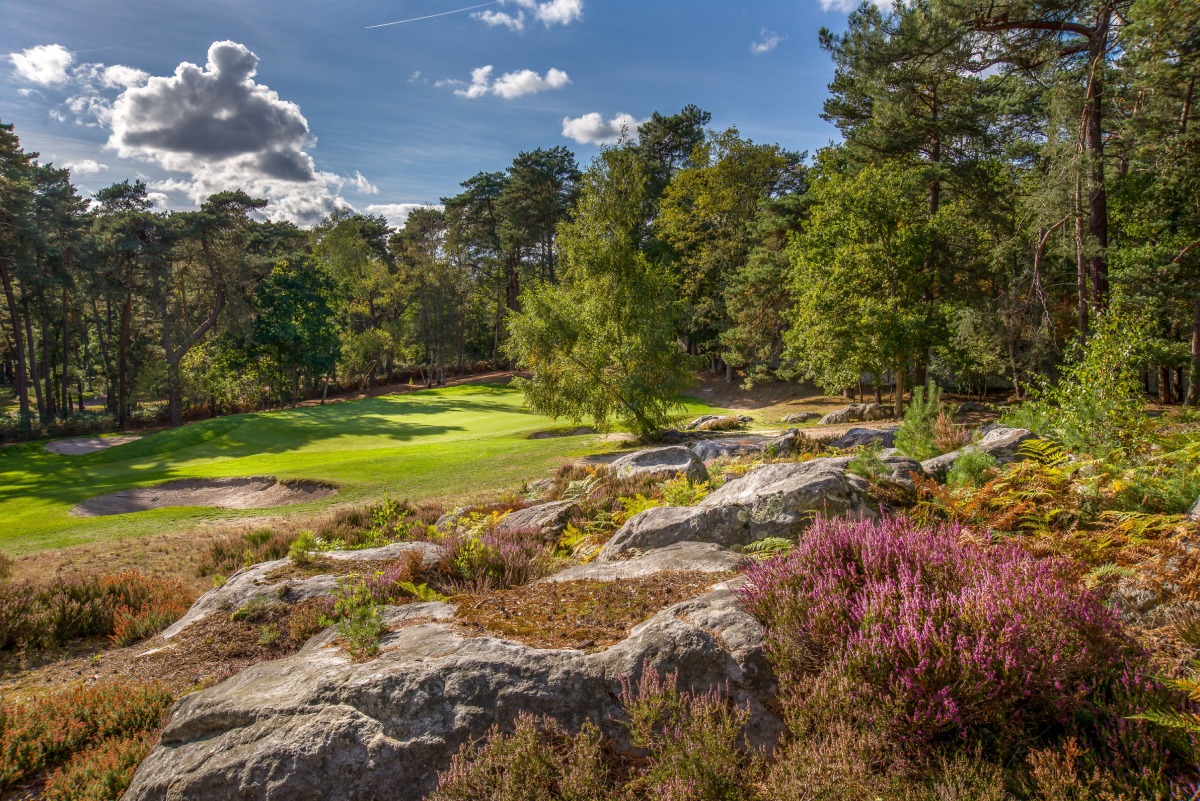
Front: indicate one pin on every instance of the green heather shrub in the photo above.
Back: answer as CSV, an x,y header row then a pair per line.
x,y
915,437
974,467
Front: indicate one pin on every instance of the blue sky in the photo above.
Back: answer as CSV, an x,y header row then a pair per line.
x,y
304,103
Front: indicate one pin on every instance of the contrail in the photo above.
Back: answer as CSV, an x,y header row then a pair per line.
x,y
431,16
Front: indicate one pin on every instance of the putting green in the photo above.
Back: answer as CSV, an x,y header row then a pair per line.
x,y
462,440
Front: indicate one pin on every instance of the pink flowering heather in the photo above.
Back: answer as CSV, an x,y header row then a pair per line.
x,y
961,640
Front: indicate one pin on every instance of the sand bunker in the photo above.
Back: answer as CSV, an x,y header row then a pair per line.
x,y
81,445
226,493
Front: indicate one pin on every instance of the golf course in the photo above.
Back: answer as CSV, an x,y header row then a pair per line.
x,y
442,443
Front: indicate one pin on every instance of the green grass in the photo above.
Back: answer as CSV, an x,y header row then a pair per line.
x,y
458,441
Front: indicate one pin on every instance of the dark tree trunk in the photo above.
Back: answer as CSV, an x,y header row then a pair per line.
x,y
21,378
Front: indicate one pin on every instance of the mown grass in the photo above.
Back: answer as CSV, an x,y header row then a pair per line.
x,y
444,443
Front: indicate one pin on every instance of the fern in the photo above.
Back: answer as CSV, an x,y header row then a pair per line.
x,y
421,592
1043,452
1106,571
768,547
1180,719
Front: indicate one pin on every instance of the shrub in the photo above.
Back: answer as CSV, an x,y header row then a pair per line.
x,y
681,491
539,761
727,423
6,566
495,558
947,435
126,606
101,773
869,464
972,468
356,614
46,730
915,436
951,643
301,549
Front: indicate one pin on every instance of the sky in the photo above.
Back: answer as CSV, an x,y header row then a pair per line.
x,y
384,105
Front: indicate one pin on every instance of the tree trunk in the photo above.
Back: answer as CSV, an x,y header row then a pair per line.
x,y
899,408
66,352
123,361
20,380
1164,384
1097,193
1081,275
1193,395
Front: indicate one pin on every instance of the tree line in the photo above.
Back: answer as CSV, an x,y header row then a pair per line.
x,y
1008,174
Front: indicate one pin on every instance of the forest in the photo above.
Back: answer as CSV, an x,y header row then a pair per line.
x,y
1007,178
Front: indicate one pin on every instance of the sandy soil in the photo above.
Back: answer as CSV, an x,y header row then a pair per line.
x,y
257,492
82,445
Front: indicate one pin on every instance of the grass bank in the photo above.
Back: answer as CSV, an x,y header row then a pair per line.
x,y
440,443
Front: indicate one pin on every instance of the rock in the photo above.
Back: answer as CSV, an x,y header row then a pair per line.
x,y
745,418
855,437
702,557
876,411
669,461
775,500
786,443
1194,512
671,437
701,420
837,417
938,466
316,727
549,518
709,449
970,407
1003,442
541,486
903,468
252,582
800,417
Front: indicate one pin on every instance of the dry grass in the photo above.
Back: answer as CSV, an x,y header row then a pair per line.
x,y
577,614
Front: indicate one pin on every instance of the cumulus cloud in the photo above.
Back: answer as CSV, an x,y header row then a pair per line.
x,y
360,183
593,129
85,167
397,213
45,65
512,84
766,41
554,12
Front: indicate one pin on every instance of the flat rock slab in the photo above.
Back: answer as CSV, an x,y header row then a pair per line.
x,y
80,446
691,557
258,492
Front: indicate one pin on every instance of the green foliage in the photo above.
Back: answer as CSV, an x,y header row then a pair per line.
x,y
358,618
602,343
301,549
768,548
422,591
868,463
973,467
681,491
1095,407
915,437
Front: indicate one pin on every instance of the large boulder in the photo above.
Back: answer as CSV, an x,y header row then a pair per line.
x,y
670,461
997,440
550,519
318,727
876,411
774,500
841,416
855,437
800,417
709,449
256,582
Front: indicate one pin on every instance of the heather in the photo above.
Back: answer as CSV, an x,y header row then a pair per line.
x,y
67,727
931,643
125,607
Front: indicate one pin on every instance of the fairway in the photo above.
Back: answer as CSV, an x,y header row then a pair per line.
x,y
431,444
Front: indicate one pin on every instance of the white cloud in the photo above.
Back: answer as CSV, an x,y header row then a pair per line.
x,y
45,65
512,84
494,19
397,213
360,183
25,91
118,76
767,41
85,167
554,12
593,129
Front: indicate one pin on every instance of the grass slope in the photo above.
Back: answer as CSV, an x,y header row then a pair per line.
x,y
432,444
